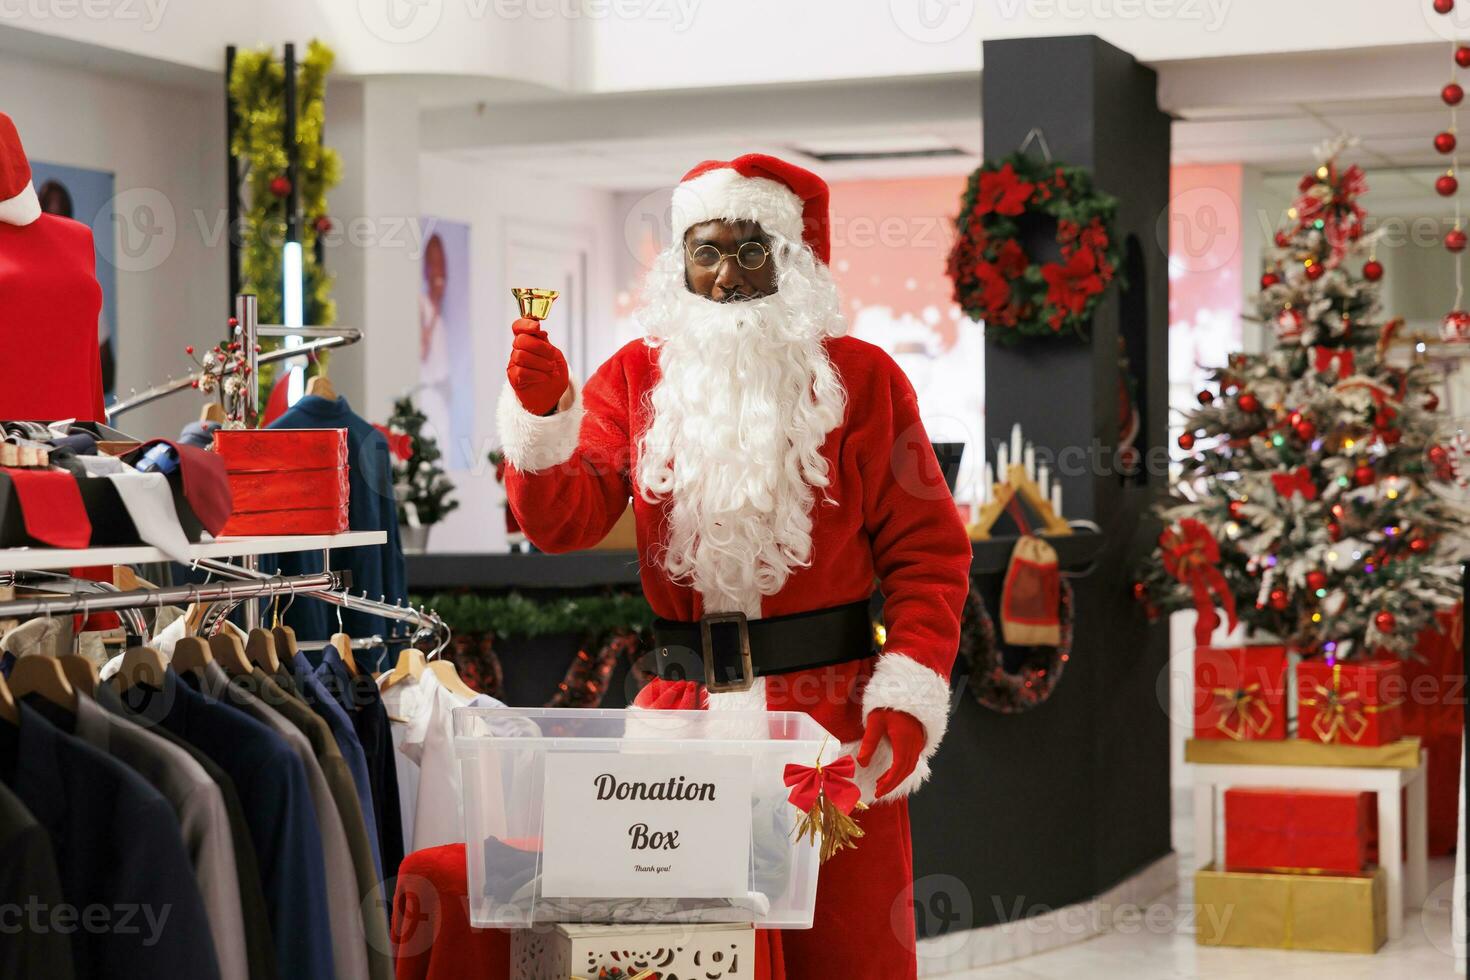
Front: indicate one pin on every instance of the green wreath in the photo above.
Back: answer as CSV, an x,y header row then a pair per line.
x,y
997,282
1011,692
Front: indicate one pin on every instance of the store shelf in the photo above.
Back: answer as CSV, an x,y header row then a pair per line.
x,y
20,559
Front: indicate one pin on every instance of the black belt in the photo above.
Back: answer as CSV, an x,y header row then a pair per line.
x,y
726,651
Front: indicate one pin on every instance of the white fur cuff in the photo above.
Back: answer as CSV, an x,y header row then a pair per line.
x,y
731,196
903,684
533,442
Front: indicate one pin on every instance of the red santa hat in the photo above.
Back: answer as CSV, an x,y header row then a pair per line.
x,y
18,202
782,197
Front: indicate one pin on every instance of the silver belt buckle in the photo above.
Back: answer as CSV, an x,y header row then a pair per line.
x,y
747,669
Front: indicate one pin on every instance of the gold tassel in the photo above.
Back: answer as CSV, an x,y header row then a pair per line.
x,y
839,830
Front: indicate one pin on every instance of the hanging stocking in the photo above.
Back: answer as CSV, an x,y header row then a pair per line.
x,y
1030,605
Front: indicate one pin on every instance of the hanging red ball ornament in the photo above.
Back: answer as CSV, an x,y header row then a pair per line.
x,y
1431,402
1372,270
1443,6
1282,239
1452,93
1438,455
1462,56
1186,441
323,225
280,186
1248,403
1205,397
233,322
1237,510
1305,430
1315,271
1364,475
1334,531
1446,185
1269,279
189,349
1444,142
1418,545
1278,599
1316,579
1385,621
1455,240
1140,591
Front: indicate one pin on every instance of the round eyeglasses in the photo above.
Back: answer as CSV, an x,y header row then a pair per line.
x,y
751,256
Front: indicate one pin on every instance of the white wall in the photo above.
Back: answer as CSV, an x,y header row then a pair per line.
x,y
498,207
165,145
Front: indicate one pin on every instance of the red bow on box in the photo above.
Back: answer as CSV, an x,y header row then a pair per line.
x,y
1191,554
826,796
1295,481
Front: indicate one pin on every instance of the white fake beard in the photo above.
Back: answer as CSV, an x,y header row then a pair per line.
x,y
745,399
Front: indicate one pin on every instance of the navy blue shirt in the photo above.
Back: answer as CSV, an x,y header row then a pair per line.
x,y
271,782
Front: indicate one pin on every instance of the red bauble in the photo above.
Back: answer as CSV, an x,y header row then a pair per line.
x,y
1269,279
280,186
1443,6
1315,271
1278,599
1205,397
1446,185
1248,403
1372,270
1186,441
1364,475
233,322
1140,591
1418,545
1316,579
1452,93
1462,56
1438,455
1334,531
1237,510
189,349
1385,621
1454,240
323,225
1431,402
1444,142
1454,327
1282,239
1305,430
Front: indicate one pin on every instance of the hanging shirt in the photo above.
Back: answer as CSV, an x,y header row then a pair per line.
x,y
402,703
429,742
28,874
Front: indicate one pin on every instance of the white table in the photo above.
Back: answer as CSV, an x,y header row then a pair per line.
x,y
1407,881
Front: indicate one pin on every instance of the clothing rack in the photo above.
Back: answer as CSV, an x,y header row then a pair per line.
x,y
230,593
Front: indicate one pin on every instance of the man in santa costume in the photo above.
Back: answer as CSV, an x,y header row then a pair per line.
x,y
776,470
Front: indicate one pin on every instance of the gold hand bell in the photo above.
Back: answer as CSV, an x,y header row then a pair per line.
x,y
535,303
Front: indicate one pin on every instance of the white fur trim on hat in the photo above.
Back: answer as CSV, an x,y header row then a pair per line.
x,y
21,209
725,194
533,442
904,684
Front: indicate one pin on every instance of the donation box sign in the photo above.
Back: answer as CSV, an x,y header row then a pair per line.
x,y
646,825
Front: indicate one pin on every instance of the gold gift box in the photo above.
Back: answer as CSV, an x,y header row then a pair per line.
x,y
1325,912
1403,754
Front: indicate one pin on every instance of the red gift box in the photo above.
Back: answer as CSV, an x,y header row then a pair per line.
x,y
285,481
1298,830
1240,693
1353,703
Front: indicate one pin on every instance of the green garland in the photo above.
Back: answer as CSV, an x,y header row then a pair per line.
x,y
516,615
257,88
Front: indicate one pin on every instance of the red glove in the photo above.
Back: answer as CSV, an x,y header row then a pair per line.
x,y
537,371
905,734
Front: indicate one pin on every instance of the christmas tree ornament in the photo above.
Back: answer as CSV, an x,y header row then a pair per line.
x,y
1248,403
1315,270
280,186
1454,240
1462,56
1269,279
1431,402
1385,621
1418,545
1205,397
1186,441
1372,270
1454,328
827,798
1452,94
1364,475
1305,430
323,225
1316,580
1443,6
1446,185
1279,600
1444,142
1289,324
1236,510
1282,239
1191,555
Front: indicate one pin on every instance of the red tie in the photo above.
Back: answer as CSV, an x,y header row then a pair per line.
x,y
51,506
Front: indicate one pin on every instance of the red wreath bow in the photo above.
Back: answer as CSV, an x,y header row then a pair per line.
x,y
1324,358
1192,555
826,796
1295,481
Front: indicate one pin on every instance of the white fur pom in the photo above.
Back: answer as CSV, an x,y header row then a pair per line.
x,y
904,684
532,442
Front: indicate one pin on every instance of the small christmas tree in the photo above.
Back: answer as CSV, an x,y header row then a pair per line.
x,y
1302,506
422,487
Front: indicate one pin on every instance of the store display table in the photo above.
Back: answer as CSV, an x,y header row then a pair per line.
x,y
35,559
1385,770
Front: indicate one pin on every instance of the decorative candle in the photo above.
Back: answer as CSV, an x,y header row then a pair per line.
x,y
1030,459
1015,443
987,484
1043,480
1056,498
1002,462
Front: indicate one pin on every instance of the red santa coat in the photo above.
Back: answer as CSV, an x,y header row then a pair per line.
x,y
890,519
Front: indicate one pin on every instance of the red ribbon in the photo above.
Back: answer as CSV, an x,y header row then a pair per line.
x,y
1192,555
834,781
400,444
1297,481
1324,358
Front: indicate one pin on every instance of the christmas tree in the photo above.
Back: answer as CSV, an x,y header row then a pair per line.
x,y
1302,507
419,479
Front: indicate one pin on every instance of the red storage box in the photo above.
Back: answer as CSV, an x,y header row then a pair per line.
x,y
1298,830
285,481
1240,692
1353,703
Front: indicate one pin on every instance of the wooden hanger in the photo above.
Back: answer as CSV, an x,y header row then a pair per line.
x,y
448,675
212,413
229,653
321,386
8,710
410,666
191,654
81,672
260,647
141,665
40,674
285,641
343,645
